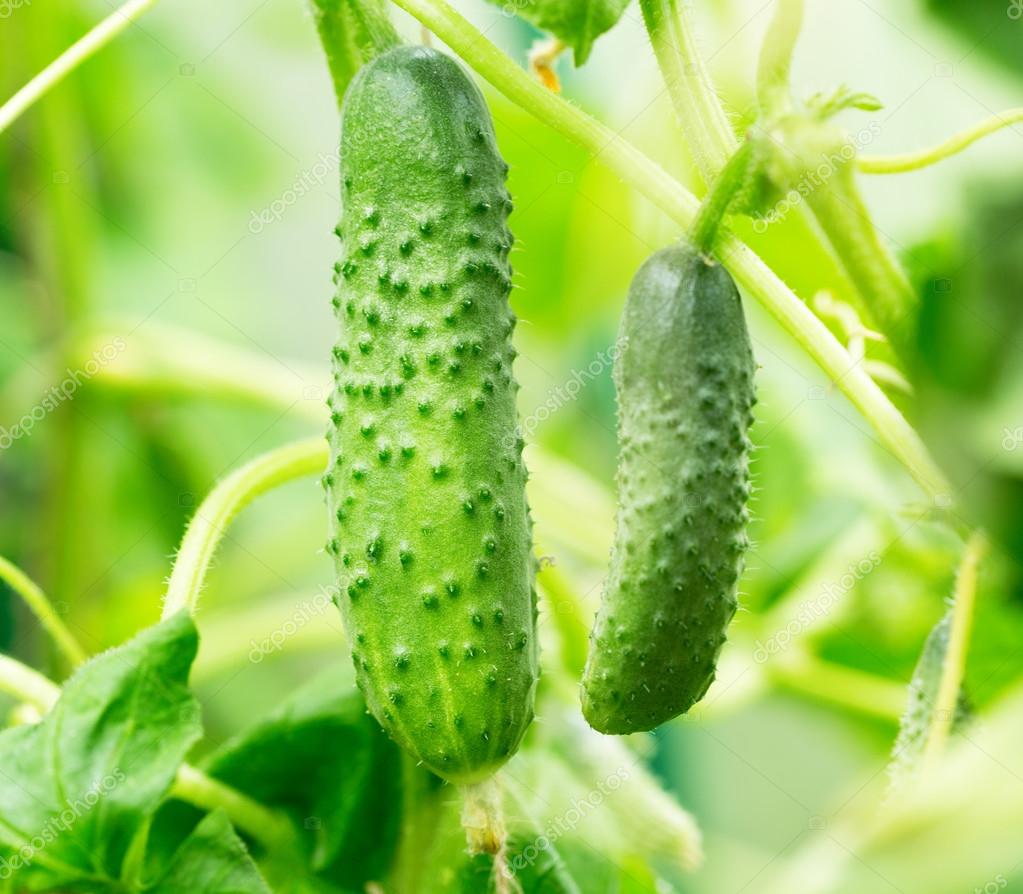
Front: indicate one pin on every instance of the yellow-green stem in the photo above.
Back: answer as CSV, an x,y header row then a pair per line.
x,y
41,607
697,107
237,490
964,600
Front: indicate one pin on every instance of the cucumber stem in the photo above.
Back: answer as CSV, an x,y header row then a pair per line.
x,y
215,513
483,817
775,61
703,120
715,205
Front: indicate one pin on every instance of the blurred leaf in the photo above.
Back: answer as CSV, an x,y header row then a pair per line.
x,y
324,760
576,22
86,779
991,29
212,860
923,694
536,869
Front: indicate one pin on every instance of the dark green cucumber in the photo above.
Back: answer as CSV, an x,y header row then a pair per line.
x,y
684,381
426,488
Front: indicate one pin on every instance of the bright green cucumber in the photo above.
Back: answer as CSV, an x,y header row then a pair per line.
x,y
684,381
429,525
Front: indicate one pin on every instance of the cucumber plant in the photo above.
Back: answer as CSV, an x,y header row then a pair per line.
x,y
430,533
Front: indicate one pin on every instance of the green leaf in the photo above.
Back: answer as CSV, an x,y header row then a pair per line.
x,y
324,760
534,863
576,22
352,32
76,788
213,860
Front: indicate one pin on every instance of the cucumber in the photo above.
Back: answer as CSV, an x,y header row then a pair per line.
x,y
430,531
684,383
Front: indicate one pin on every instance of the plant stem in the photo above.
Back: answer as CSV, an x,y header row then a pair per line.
x,y
699,111
269,827
237,490
71,58
678,203
351,32
947,699
27,685
711,215
845,686
888,294
775,61
43,609
913,161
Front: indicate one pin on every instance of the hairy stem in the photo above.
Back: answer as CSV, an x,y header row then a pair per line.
x,y
964,600
913,161
843,686
892,429
71,58
269,827
699,111
43,609
237,490
775,61
711,216
27,685
877,275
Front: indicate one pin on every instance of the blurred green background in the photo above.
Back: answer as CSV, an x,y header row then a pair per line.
x,y
167,213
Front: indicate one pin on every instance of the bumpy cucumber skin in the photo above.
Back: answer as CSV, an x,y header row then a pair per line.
x,y
685,395
430,531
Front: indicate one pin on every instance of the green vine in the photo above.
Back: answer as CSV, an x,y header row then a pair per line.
x,y
237,490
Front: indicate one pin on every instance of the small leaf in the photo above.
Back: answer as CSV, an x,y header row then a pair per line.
x,y
827,105
78,787
213,860
577,22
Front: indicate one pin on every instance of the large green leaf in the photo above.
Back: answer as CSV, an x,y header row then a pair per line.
x,y
577,22
77,788
213,860
320,757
